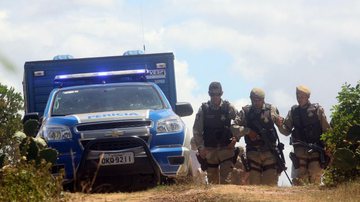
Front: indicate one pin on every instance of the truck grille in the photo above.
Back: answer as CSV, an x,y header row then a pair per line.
x,y
113,125
114,145
110,146
121,129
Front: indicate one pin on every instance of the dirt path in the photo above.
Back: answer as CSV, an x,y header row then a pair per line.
x,y
188,193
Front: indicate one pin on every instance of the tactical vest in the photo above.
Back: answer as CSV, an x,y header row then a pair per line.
x,y
261,122
307,126
216,125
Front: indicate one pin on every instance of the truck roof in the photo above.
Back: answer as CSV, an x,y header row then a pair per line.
x,y
108,84
96,59
39,75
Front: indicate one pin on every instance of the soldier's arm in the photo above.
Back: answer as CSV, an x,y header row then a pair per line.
x,y
325,126
244,129
240,120
198,129
235,128
232,112
278,120
287,126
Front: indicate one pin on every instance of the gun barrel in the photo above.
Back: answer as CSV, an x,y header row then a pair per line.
x,y
276,150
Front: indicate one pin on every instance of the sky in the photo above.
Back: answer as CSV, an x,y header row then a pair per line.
x,y
275,44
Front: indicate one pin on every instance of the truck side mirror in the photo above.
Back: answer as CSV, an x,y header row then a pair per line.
x,y
183,109
31,123
32,115
31,127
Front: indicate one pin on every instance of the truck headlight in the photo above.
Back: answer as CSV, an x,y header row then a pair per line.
x,y
56,132
169,125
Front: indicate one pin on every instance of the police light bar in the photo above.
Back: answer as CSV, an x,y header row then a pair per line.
x,y
101,74
63,57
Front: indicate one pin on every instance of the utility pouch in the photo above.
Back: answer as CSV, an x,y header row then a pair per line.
x,y
203,162
295,160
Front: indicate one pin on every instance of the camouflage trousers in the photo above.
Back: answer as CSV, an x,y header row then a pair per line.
x,y
220,165
310,170
263,168
239,175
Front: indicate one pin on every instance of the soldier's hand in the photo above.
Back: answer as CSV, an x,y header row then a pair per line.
x,y
252,135
232,143
203,152
279,121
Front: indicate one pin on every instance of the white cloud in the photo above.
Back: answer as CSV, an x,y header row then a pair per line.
x,y
97,3
247,70
275,45
185,86
238,104
3,15
185,83
282,100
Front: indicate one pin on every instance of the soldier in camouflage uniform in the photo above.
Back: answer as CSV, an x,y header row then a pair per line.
x,y
213,136
306,122
258,119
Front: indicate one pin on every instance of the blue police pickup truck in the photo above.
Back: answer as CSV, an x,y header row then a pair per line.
x,y
110,118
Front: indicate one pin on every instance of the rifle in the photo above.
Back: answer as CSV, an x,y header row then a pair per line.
x,y
277,151
245,162
324,159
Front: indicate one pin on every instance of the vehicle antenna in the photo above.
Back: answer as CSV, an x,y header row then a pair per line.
x,y
142,24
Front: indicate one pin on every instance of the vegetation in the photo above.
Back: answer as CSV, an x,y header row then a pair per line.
x,y
29,182
25,162
10,121
343,140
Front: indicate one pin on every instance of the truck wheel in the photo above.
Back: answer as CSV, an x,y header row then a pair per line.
x,y
69,187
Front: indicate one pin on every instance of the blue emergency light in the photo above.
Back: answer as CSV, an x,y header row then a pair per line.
x,y
63,57
137,75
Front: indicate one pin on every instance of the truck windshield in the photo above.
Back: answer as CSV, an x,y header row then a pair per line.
x,y
105,98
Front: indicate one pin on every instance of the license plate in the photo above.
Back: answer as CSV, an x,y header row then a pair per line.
x,y
117,159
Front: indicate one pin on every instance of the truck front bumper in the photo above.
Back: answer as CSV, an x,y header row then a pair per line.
x,y
142,159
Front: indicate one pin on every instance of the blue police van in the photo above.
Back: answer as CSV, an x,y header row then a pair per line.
x,y
110,118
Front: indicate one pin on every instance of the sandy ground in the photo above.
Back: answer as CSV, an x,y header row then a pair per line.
x,y
225,193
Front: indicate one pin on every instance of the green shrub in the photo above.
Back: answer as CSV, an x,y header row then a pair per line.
x,y
343,139
11,103
35,149
25,162
29,182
